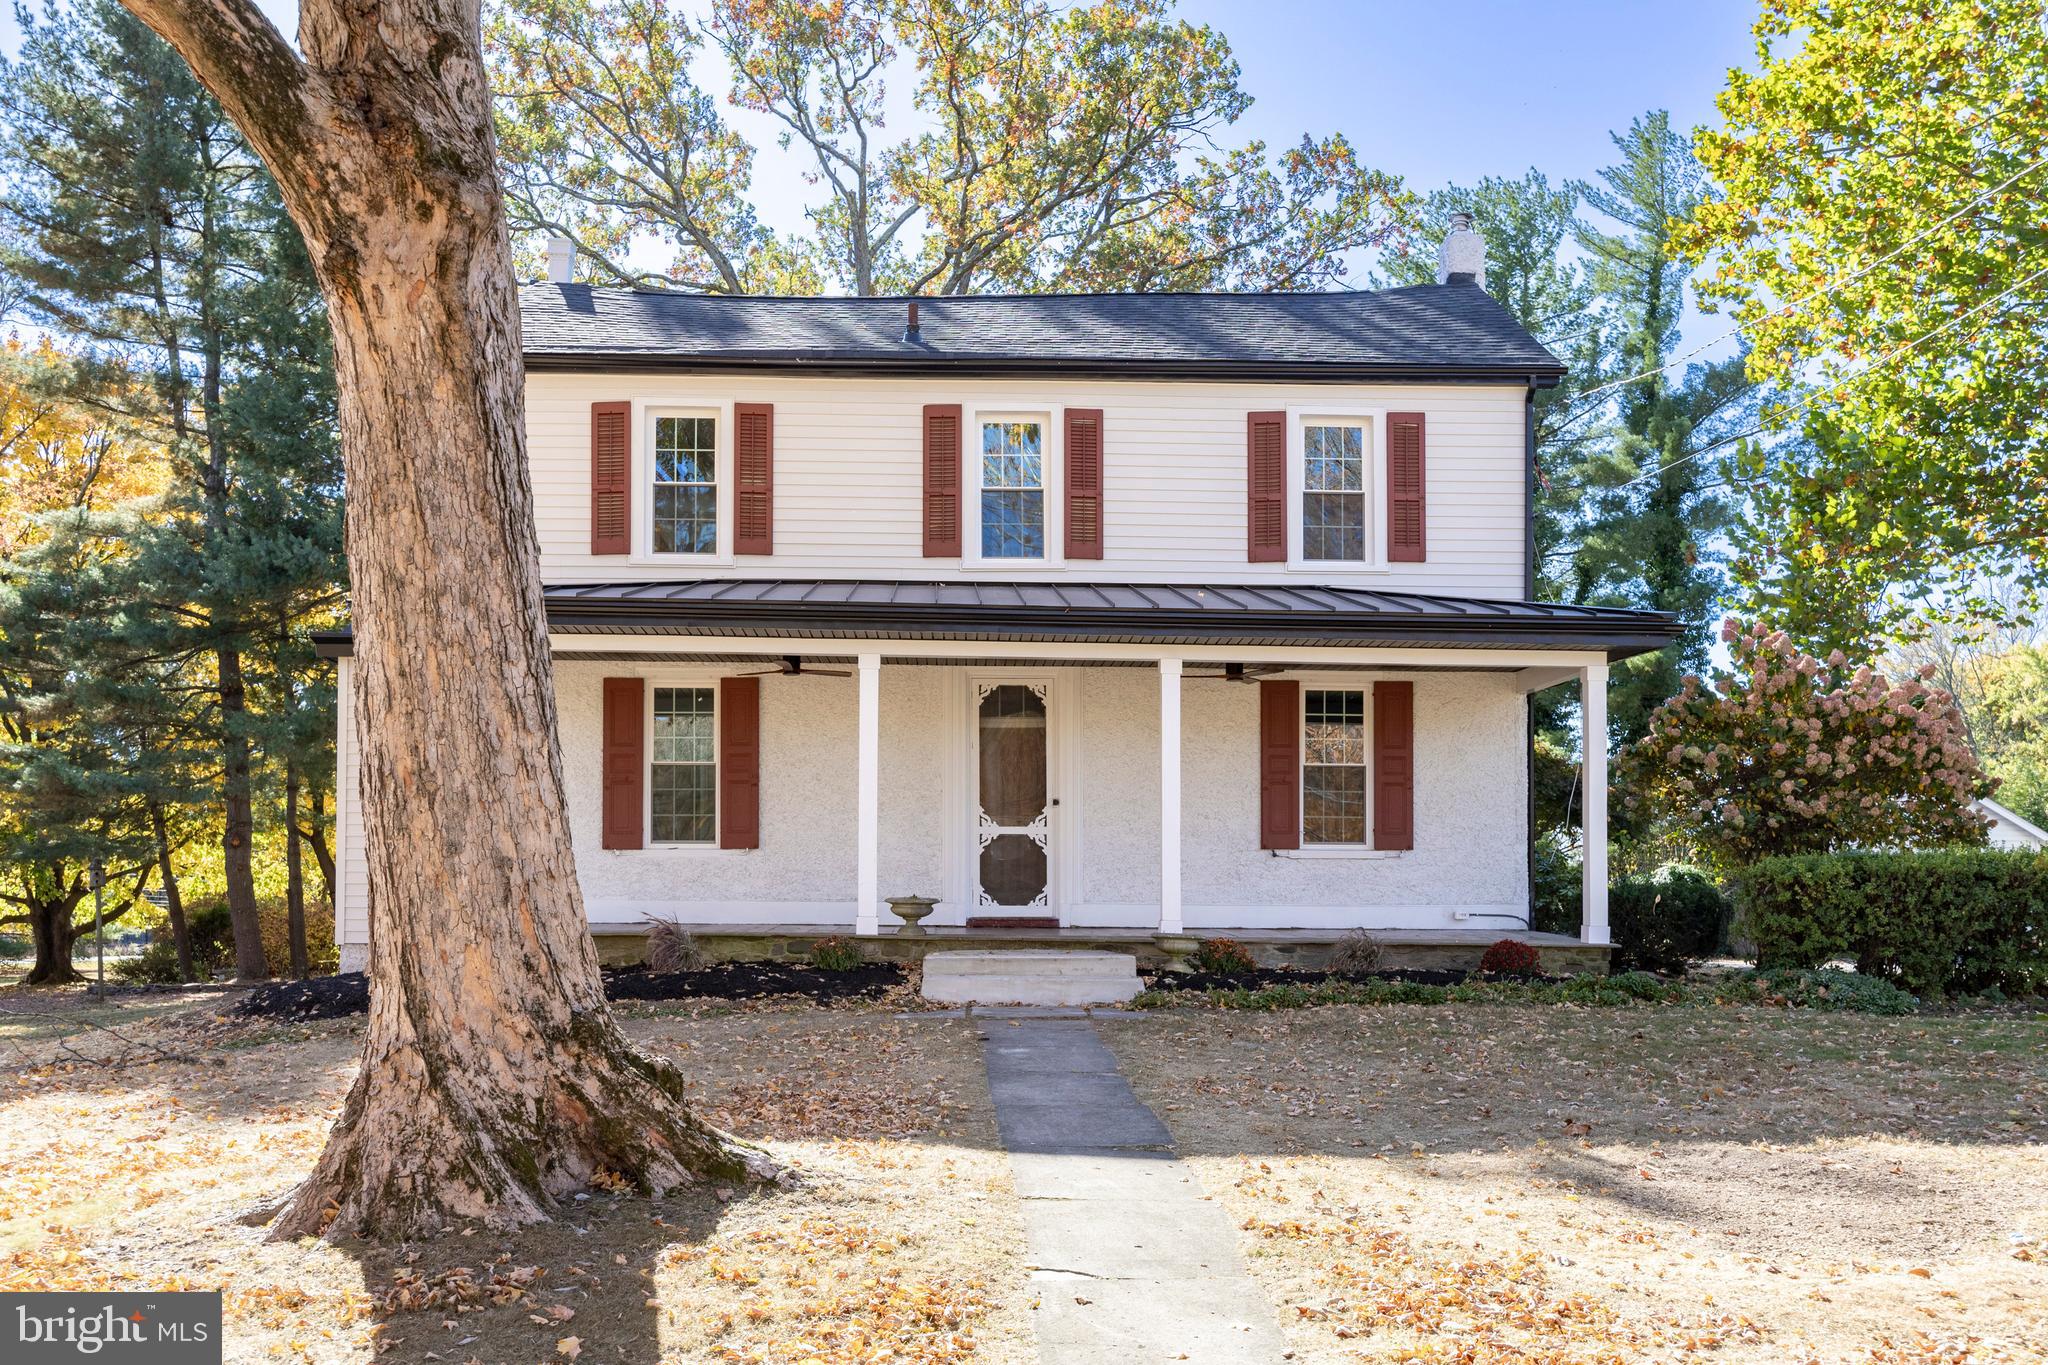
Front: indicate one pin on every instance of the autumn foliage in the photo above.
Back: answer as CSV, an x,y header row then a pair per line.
x,y
1793,754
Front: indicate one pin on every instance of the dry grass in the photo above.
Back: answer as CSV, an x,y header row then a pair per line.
x,y
1511,1186
900,1242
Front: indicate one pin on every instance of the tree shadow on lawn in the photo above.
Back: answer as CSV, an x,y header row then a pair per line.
x,y
580,1288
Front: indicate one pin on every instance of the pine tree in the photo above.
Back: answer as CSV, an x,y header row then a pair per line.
x,y
149,230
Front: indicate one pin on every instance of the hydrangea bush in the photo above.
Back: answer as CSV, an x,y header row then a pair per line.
x,y
1793,754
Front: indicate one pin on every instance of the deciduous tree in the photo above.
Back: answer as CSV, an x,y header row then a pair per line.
x,y
1057,148
494,1080
1877,231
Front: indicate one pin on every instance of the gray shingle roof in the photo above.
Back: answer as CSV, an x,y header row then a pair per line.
x,y
1279,614
1454,330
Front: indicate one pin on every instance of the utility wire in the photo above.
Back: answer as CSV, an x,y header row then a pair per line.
x,y
1810,295
1837,387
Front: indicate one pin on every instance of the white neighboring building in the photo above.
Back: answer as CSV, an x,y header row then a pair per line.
x,y
1142,612
2010,830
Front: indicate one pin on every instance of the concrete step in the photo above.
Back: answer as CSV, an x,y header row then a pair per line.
x,y
1037,976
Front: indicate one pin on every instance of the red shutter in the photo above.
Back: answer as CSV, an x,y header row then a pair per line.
x,y
739,763
753,462
1084,483
942,481
625,762
1393,765
1407,481
1266,489
1279,765
611,479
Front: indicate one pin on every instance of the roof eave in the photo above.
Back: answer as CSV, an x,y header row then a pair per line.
x,y
1543,374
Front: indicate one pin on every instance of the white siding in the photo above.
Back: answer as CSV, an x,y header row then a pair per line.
x,y
848,480
352,869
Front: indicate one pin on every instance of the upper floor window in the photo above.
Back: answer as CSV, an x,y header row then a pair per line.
x,y
683,766
686,485
1012,489
1333,490
1333,763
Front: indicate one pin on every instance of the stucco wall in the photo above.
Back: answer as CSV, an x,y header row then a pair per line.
x,y
1469,850
1470,812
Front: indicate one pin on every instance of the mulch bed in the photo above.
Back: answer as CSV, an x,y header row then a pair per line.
x,y
1260,977
333,997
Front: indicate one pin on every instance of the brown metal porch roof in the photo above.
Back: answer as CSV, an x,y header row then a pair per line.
x,y
1109,613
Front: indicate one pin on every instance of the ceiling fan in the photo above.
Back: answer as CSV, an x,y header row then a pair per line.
x,y
1242,672
792,666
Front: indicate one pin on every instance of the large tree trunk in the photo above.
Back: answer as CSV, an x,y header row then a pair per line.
x,y
174,900
494,1078
52,933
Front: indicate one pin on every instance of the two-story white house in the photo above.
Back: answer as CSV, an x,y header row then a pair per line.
x,y
1148,613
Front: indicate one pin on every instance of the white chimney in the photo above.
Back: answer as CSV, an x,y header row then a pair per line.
x,y
561,260
1462,257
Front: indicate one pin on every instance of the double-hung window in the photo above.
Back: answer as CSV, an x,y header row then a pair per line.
x,y
1335,486
683,759
686,485
1012,489
1333,763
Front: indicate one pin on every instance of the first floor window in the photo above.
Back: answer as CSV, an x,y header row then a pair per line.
x,y
686,485
1012,490
1333,766
685,763
1333,491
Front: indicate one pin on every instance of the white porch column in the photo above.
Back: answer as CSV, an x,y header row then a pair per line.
x,y
1593,845
867,877
1169,796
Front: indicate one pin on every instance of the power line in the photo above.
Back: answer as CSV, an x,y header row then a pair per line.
x,y
1837,387
1812,294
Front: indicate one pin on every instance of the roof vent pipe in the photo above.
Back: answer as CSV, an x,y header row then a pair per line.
x,y
561,260
1462,257
910,324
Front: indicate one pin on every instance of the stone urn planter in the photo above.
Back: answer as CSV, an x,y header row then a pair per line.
x,y
1177,949
912,910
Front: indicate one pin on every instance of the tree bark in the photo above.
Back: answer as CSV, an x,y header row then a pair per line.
x,y
174,900
494,1079
294,875
314,834
52,933
238,826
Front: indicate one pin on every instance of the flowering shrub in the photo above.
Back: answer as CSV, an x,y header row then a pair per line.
x,y
1509,957
834,953
1793,754
1222,957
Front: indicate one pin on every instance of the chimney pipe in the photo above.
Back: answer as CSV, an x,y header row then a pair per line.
x,y
1462,257
561,260
910,325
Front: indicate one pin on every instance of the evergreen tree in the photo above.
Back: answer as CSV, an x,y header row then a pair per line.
x,y
149,230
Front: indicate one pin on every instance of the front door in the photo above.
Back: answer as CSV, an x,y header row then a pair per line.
x,y
1013,829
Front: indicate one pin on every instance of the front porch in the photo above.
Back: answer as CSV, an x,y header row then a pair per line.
x,y
769,762
1402,949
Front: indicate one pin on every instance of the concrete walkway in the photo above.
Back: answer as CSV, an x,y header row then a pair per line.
x,y
1128,1261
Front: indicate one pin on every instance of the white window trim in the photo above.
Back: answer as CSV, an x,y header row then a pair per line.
x,y
1375,421
644,415
1365,852
667,679
1052,418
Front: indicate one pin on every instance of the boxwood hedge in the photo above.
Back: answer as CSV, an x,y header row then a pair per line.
x,y
1945,923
